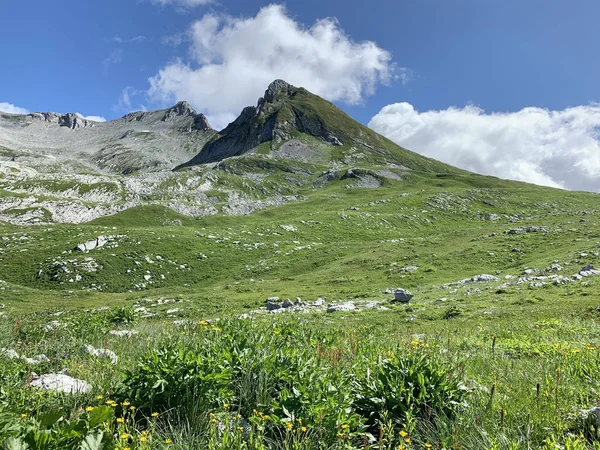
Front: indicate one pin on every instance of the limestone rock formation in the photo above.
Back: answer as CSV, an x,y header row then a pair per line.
x,y
59,382
275,119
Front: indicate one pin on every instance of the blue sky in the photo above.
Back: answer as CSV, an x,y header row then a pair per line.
x,y
527,70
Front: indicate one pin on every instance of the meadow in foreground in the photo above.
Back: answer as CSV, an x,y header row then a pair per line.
x,y
370,380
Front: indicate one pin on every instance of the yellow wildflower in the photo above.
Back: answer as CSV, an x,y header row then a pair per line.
x,y
303,429
403,433
142,439
89,408
23,415
288,425
125,436
168,441
121,420
154,414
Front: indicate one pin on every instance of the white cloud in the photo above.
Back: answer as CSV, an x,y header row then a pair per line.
x,y
12,109
185,4
233,60
124,99
114,58
174,40
94,118
553,148
125,104
135,39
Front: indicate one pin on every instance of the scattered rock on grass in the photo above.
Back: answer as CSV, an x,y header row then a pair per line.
x,y
61,383
39,359
484,277
318,302
588,270
402,295
123,333
102,353
9,353
343,307
287,303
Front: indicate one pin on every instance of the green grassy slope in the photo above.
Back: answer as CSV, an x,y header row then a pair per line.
x,y
349,242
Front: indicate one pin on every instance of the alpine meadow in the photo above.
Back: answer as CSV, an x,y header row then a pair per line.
x,y
294,281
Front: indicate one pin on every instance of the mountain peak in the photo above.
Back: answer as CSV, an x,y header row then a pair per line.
x,y
181,109
275,88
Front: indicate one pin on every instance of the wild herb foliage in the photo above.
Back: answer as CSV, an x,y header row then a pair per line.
x,y
405,387
298,384
296,376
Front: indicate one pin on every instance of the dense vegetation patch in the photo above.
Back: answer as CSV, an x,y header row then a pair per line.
x,y
295,383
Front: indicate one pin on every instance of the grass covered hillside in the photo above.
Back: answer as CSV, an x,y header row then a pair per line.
x,y
507,360
250,303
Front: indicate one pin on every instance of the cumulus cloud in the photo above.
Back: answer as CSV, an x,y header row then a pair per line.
x,y
94,118
552,148
12,109
233,60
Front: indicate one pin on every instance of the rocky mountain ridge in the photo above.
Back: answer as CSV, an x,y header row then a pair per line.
x,y
274,119
64,168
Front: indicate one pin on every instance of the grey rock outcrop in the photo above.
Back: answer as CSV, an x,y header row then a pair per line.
x,y
588,270
93,244
402,295
102,353
61,383
287,303
183,110
123,333
39,359
9,353
68,120
484,278
343,307
273,304
274,119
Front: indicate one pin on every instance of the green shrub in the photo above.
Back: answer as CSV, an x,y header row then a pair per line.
x,y
404,387
121,316
172,376
451,312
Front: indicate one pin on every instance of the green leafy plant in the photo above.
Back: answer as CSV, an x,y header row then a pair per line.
x,y
121,316
172,375
406,386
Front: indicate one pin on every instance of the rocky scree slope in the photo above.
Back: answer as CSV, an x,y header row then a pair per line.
x,y
139,141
